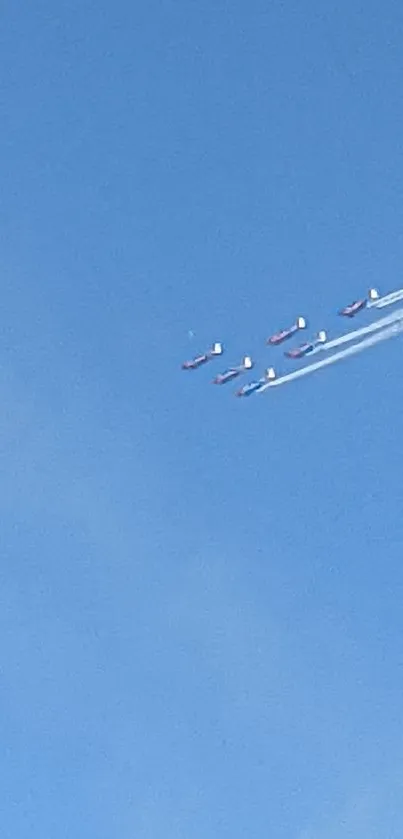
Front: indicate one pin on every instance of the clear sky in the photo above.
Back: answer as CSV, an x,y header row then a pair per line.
x,y
201,598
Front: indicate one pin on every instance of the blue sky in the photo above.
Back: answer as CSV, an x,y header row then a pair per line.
x,y
200,597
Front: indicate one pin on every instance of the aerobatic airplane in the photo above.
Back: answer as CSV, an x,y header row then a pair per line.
x,y
358,305
308,347
253,387
216,349
284,334
233,372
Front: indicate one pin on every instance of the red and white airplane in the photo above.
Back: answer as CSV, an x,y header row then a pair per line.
x,y
358,305
233,372
199,360
281,336
308,347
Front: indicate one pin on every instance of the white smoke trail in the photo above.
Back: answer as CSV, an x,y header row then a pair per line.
x,y
387,300
394,329
357,334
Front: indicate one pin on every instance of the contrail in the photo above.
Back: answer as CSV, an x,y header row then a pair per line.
x,y
394,329
357,334
395,317
387,300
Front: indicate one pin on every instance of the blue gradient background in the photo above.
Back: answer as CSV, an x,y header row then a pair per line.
x,y
201,599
